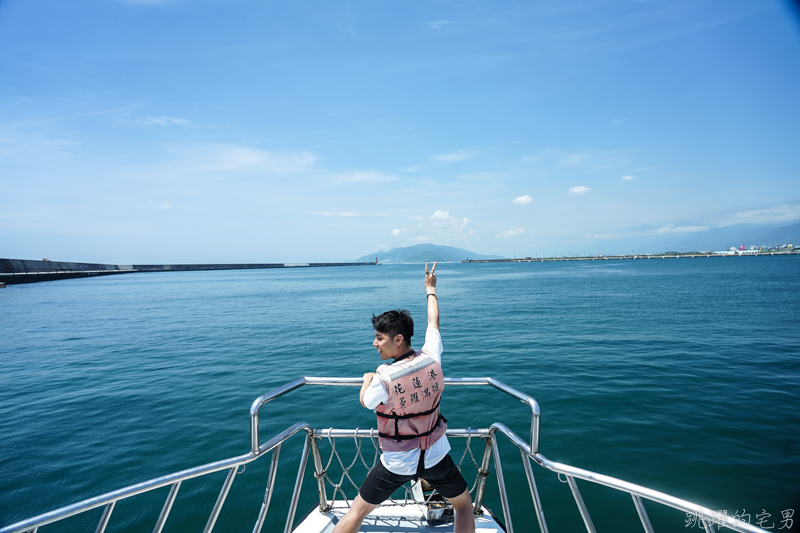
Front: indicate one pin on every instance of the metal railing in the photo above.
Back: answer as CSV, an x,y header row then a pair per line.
x,y
529,451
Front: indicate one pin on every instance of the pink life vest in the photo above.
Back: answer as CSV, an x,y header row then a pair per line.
x,y
410,418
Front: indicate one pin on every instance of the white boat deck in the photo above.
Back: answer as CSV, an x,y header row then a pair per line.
x,y
391,519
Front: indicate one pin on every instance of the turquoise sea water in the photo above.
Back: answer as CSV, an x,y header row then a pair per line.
x,y
681,375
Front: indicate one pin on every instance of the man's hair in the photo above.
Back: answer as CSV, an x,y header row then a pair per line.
x,y
394,322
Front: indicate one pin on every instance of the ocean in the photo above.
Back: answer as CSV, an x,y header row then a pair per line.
x,y
682,375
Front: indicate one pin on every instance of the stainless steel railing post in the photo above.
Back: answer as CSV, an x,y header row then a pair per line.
x,y
255,408
101,526
535,415
537,503
223,494
483,473
498,470
637,501
581,506
297,485
273,470
319,474
162,518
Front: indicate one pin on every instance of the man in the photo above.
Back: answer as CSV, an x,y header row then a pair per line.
x,y
405,396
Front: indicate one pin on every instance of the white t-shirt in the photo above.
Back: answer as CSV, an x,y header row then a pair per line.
x,y
405,463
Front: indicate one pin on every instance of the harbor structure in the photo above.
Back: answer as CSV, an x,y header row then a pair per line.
x,y
13,271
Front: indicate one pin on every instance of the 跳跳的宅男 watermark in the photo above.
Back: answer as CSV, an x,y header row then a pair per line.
x,y
763,519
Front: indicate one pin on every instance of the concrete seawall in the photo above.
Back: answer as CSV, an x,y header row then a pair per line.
x,y
14,271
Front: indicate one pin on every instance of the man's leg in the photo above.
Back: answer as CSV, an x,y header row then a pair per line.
x,y
351,521
465,519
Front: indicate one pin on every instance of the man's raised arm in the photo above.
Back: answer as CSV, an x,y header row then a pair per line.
x,y
433,302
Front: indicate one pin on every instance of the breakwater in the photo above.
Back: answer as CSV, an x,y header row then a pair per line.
x,y
14,271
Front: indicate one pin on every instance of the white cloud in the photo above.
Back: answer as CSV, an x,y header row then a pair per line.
x,y
669,228
617,122
524,199
398,232
165,121
774,214
510,233
626,178
228,158
442,226
436,24
579,189
453,157
340,213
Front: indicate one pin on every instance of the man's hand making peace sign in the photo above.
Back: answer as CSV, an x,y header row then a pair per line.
x,y
433,302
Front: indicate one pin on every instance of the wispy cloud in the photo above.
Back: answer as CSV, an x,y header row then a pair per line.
x,y
165,121
399,232
669,228
589,160
510,233
580,189
16,140
601,236
453,157
773,214
616,122
626,178
363,177
521,200
158,205
228,158
436,24
445,158
340,214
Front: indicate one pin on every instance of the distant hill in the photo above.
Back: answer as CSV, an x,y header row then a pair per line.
x,y
784,235
746,234
422,253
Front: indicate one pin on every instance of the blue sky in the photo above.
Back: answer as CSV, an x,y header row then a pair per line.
x,y
239,131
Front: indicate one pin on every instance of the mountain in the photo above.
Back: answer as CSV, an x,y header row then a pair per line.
x,y
736,235
422,253
647,239
784,235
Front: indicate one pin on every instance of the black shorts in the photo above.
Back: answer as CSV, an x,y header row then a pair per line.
x,y
381,483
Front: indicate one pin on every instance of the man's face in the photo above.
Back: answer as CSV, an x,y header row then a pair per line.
x,y
388,347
